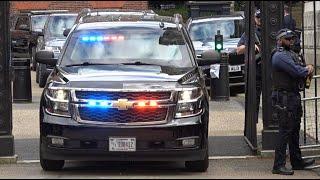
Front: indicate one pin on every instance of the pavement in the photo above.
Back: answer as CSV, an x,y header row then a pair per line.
x,y
230,156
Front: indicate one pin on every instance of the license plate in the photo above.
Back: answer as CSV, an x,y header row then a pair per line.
x,y
122,144
234,68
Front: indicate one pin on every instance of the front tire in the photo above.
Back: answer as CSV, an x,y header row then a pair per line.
x,y
42,75
51,165
33,60
198,166
37,73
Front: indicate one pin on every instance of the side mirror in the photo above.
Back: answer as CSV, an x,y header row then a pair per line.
x,y
40,33
66,32
24,27
171,36
46,57
209,57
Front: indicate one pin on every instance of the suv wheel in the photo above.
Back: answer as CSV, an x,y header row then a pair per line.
x,y
51,165
42,75
37,73
198,166
33,60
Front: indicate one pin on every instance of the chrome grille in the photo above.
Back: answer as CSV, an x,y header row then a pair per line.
x,y
114,115
127,116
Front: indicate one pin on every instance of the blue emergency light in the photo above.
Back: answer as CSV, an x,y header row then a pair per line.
x,y
100,38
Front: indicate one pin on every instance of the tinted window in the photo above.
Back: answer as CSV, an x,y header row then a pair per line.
x,y
57,24
22,20
128,44
38,22
207,30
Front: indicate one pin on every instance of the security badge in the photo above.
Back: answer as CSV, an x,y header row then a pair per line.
x,y
122,104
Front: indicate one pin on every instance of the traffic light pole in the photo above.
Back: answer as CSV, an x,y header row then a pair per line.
x,y
6,137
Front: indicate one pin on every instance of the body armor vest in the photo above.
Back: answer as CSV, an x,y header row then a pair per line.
x,y
283,81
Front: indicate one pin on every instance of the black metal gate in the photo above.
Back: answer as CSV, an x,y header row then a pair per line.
x,y
250,130
271,20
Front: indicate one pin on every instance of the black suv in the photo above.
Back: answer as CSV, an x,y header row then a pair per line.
x,y
26,26
52,39
202,31
125,88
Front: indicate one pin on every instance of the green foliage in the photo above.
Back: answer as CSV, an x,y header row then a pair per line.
x,y
239,5
183,10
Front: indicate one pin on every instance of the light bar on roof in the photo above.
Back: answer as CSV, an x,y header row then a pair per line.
x,y
102,38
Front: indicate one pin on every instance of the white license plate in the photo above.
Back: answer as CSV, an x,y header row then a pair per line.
x,y
234,68
122,144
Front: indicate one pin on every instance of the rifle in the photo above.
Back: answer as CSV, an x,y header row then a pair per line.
x,y
258,54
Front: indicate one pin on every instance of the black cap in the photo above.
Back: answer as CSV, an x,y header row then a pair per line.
x,y
257,13
285,33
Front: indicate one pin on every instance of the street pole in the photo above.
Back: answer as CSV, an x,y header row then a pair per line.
x,y
271,19
6,137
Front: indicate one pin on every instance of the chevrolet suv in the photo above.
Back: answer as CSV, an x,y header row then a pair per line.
x,y
125,88
202,31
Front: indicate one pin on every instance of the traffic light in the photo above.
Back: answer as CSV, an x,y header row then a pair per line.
x,y
218,41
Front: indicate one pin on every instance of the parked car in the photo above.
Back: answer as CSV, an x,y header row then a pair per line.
x,y
25,29
125,89
53,40
202,31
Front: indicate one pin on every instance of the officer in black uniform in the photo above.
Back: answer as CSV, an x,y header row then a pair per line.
x,y
288,78
242,44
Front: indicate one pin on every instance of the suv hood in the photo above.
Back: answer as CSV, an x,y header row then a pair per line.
x,y
103,76
228,45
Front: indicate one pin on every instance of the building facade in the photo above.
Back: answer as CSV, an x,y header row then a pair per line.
x,y
75,6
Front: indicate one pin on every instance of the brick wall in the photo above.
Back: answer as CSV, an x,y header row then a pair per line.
x,y
75,6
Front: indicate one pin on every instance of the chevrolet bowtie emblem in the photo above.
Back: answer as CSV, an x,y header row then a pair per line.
x,y
122,104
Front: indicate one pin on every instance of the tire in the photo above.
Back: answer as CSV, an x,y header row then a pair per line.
x,y
51,165
37,73
33,60
198,166
42,75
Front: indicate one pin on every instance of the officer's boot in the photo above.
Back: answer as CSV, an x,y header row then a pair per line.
x,y
283,171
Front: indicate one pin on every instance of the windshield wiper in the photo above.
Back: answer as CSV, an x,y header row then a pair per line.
x,y
85,64
129,63
138,63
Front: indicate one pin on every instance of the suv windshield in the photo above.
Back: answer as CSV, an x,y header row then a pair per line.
x,y
206,31
38,21
58,23
126,45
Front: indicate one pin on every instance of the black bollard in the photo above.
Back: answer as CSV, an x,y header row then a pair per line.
x,y
219,87
22,92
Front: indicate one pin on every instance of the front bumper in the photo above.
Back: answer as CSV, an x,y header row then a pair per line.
x,y
153,143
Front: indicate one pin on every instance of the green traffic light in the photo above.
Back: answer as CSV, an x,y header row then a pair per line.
x,y
219,46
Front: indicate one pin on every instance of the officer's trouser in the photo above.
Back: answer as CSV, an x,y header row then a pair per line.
x,y
287,110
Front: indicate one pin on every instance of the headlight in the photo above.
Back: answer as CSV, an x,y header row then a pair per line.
x,y
48,48
51,48
189,103
58,102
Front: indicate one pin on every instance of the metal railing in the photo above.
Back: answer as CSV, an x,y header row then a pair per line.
x,y
310,122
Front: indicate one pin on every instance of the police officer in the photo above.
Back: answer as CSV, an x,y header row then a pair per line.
x,y
288,21
241,46
288,77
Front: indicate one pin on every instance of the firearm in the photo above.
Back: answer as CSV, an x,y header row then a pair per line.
x,y
258,54
307,81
